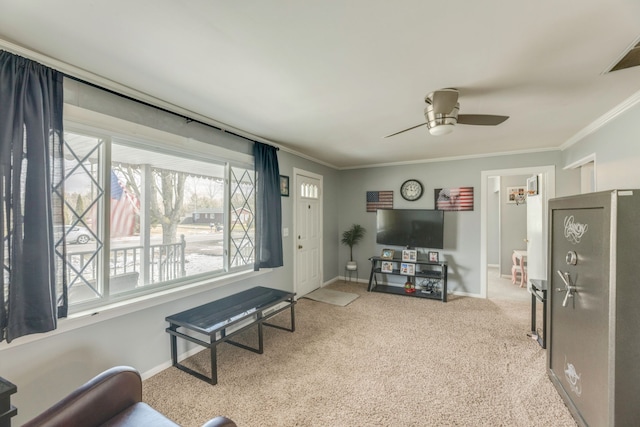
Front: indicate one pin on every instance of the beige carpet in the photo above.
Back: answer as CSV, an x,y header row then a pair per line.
x,y
383,360
331,296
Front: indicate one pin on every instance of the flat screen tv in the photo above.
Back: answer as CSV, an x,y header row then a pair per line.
x,y
416,228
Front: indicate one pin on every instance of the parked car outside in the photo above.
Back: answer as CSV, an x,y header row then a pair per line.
x,y
215,227
76,234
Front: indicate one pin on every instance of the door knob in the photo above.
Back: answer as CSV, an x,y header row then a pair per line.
x,y
299,246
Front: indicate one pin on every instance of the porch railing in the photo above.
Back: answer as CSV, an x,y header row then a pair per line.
x,y
166,262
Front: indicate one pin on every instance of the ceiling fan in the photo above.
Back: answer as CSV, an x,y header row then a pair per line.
x,y
442,114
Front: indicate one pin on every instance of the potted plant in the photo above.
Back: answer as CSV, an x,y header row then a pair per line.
x,y
351,237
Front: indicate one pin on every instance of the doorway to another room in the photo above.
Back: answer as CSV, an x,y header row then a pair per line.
x,y
501,287
504,230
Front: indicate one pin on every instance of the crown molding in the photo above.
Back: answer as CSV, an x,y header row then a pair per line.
x,y
452,158
602,120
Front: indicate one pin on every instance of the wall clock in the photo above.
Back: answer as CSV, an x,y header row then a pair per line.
x,y
411,190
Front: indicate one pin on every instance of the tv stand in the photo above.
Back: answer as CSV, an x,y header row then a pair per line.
x,y
430,278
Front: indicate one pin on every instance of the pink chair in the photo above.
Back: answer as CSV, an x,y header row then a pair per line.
x,y
518,267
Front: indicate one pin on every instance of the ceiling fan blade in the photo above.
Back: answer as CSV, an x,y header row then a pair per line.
x,y
480,119
412,127
444,101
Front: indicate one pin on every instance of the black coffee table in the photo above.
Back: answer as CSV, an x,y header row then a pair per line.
x,y
222,319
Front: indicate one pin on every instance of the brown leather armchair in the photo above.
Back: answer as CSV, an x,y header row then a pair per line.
x,y
113,398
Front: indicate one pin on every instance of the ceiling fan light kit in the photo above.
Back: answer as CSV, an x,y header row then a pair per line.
x,y
441,123
439,130
442,114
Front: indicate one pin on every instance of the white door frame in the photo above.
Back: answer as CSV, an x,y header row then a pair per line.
x,y
548,191
296,195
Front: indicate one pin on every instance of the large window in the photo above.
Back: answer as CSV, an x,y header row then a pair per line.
x,y
142,216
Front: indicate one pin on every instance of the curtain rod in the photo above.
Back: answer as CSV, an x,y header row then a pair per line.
x,y
148,104
57,65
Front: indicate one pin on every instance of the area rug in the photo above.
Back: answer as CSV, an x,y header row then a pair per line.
x,y
331,296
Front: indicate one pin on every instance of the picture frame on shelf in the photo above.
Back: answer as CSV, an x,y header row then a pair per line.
x,y
386,267
410,255
387,253
433,256
284,185
408,269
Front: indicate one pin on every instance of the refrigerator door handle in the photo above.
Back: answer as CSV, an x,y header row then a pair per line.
x,y
570,289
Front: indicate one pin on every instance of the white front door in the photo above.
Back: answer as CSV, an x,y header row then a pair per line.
x,y
308,232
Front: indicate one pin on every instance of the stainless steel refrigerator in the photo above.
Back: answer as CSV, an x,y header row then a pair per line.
x,y
593,355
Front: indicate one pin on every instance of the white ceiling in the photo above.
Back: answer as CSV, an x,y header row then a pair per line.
x,y
330,78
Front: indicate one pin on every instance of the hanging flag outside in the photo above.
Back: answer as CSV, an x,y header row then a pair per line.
x,y
125,208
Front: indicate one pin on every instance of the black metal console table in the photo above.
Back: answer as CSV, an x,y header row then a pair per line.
x,y
222,319
435,273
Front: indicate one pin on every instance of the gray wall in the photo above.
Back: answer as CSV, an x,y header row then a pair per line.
x,y
462,229
617,151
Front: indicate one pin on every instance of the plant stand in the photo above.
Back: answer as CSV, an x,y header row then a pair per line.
x,y
349,272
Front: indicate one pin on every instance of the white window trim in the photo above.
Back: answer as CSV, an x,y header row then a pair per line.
x,y
78,119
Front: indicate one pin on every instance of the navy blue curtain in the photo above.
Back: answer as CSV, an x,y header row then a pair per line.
x,y
31,170
268,207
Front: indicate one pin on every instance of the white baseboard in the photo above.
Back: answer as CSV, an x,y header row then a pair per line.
x,y
166,365
346,279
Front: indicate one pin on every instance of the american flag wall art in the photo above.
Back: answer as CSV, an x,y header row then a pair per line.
x,y
379,200
454,199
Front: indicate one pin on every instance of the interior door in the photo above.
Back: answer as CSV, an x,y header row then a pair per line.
x,y
536,239
308,241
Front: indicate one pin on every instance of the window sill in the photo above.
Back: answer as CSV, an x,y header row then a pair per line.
x,y
90,317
